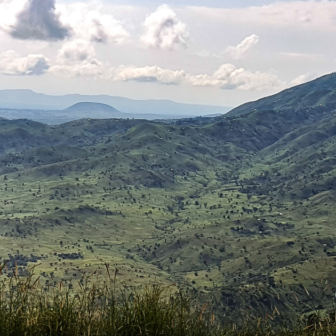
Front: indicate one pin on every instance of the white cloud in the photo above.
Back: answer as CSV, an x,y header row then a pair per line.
x,y
32,20
95,69
77,58
235,52
229,77
11,63
45,20
304,78
76,51
150,74
86,69
238,51
91,22
9,9
226,77
164,30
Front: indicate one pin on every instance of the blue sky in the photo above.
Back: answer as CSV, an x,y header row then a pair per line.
x,y
207,52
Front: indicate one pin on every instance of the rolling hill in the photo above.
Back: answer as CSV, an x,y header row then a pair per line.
x,y
236,208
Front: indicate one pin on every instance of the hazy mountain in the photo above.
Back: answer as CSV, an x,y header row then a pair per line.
x,y
80,111
317,93
91,107
213,115
27,99
92,110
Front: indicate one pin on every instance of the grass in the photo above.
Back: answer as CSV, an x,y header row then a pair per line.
x,y
319,93
98,308
26,309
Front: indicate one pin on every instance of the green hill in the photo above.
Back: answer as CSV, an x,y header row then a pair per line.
x,y
235,208
318,93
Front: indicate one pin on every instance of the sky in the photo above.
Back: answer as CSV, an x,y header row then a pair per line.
x,y
215,52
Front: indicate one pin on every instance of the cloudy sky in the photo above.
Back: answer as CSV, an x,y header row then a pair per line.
x,y
213,52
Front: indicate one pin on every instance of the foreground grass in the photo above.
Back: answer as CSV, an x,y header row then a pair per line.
x,y
100,309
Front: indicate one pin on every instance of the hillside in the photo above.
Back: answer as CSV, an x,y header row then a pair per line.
x,y
320,92
239,209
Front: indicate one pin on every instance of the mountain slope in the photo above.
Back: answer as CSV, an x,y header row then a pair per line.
x,y
227,206
300,165
319,93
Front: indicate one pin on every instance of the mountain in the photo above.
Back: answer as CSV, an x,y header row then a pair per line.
x,y
84,110
29,100
213,115
92,110
320,92
55,117
91,107
239,210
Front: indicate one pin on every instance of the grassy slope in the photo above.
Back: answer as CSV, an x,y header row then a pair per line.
x,y
318,93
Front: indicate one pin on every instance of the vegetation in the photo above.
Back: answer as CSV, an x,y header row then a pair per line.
x,y
237,210
314,94
26,309
98,309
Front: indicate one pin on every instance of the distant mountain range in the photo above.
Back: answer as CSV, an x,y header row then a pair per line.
x,y
87,110
26,104
30,100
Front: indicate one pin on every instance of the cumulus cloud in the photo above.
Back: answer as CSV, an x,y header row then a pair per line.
x,y
88,70
92,68
238,51
76,51
38,20
229,77
226,77
77,58
45,20
90,22
9,9
164,30
304,78
11,63
150,74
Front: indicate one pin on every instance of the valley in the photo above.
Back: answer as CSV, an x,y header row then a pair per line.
x,y
224,206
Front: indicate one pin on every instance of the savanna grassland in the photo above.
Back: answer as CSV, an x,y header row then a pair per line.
x,y
238,209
